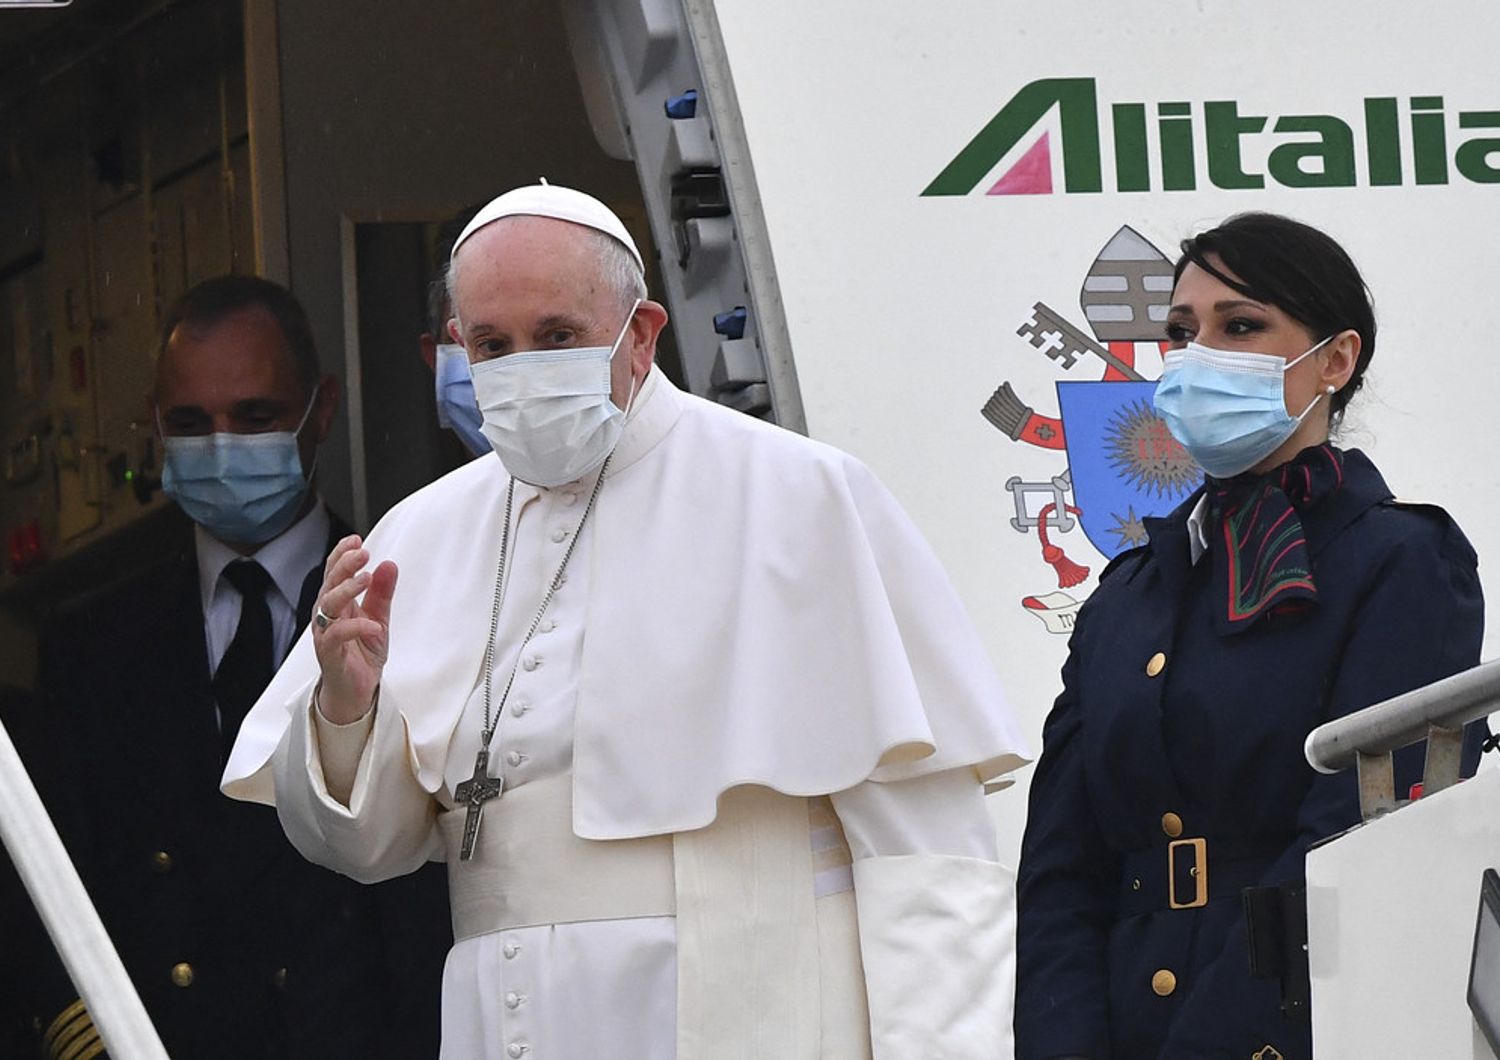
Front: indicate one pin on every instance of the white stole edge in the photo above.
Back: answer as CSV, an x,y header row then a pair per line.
x,y
763,968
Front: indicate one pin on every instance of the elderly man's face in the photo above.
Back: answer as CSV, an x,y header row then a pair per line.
x,y
534,283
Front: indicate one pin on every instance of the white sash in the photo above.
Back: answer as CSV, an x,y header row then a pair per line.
x,y
765,970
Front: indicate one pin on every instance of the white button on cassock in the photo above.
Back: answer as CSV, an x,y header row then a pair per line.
x,y
559,535
510,949
531,662
519,708
515,1049
515,758
512,1000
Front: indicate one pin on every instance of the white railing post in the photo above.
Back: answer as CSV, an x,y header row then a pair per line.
x,y
77,932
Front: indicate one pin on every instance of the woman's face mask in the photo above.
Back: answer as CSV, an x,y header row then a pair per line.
x,y
1228,407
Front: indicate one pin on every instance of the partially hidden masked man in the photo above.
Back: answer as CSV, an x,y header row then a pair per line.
x,y
683,699
240,949
448,361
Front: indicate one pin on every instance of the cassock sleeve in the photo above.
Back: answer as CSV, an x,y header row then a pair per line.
x,y
340,749
1421,620
387,827
936,916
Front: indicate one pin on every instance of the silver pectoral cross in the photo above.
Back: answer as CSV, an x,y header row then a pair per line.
x,y
476,791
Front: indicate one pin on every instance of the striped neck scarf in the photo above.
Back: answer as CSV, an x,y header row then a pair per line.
x,y
1259,549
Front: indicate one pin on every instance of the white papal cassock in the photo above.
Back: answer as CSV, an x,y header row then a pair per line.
x,y
744,759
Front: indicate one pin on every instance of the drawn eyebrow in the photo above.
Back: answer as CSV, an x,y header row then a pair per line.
x,y
1221,307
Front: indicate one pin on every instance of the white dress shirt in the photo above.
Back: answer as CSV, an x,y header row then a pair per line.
x,y
286,558
1197,528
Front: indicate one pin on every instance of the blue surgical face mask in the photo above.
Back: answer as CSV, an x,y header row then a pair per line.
x,y
242,488
456,408
1228,407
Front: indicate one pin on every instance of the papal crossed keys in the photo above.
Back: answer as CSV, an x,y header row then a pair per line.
x,y
1064,343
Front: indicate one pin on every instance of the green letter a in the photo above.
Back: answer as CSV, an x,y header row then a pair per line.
x,y
1080,136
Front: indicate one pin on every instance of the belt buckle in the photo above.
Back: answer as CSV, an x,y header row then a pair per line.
x,y
1199,848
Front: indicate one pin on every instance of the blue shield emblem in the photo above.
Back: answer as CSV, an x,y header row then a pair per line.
x,y
1124,463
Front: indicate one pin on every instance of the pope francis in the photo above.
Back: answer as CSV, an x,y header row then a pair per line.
x,y
683,699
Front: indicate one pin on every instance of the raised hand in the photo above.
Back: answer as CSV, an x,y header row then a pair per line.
x,y
352,644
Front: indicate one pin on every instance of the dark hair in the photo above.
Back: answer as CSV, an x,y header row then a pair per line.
x,y
207,303
1296,268
437,287
437,302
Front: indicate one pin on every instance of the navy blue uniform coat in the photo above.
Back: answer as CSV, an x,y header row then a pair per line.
x,y
1214,737
290,961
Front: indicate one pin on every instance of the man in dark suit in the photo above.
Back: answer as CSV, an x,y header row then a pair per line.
x,y
238,947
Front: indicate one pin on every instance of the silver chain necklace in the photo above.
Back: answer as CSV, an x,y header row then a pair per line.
x,y
481,787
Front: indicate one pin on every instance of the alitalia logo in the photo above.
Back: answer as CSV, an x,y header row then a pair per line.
x,y
1394,141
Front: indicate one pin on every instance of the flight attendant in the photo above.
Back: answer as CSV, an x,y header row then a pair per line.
x,y
1292,588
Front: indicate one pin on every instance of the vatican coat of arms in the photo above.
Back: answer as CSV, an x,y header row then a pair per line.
x,y
1120,464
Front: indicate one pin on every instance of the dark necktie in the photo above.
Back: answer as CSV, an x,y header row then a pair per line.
x,y
249,661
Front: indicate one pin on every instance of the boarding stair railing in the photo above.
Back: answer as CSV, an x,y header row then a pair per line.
x,y
1437,713
59,896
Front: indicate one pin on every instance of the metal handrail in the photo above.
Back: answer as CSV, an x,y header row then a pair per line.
x,y
42,861
1437,713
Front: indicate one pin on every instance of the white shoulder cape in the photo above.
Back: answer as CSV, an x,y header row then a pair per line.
x,y
761,611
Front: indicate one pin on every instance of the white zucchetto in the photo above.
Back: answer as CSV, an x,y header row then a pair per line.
x,y
551,200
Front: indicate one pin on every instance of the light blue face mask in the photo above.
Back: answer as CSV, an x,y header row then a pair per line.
x,y
242,488
456,407
1228,407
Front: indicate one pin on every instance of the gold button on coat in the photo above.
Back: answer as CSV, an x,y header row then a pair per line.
x,y
182,974
161,862
1171,824
1156,664
1163,982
